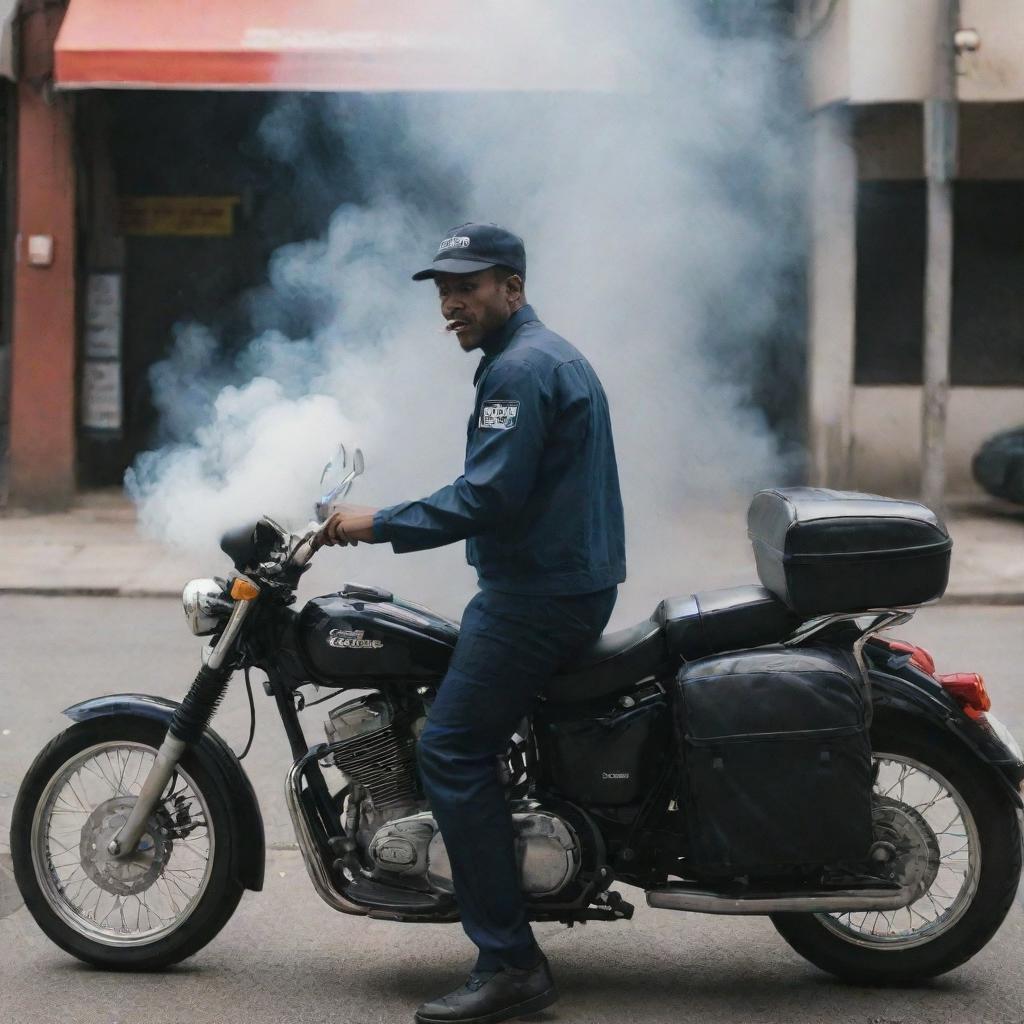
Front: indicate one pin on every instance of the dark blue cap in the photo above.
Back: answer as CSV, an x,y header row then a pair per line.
x,y
470,248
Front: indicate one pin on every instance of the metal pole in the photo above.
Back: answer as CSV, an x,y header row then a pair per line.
x,y
940,135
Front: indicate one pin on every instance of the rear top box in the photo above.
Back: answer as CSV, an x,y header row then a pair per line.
x,y
823,551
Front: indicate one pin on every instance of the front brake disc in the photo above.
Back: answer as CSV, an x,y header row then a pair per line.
x,y
122,876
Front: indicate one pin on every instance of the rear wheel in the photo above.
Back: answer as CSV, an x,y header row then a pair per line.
x,y
152,909
951,826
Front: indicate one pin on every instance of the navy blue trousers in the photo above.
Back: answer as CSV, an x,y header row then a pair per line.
x,y
509,647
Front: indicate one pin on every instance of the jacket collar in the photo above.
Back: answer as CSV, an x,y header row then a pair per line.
x,y
497,341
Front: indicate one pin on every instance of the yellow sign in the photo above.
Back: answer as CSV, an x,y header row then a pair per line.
x,y
197,216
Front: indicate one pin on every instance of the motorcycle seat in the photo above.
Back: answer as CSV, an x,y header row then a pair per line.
x,y
715,621
615,662
681,629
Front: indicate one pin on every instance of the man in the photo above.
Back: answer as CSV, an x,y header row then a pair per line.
x,y
539,507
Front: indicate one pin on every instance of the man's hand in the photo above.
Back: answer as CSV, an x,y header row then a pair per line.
x,y
348,525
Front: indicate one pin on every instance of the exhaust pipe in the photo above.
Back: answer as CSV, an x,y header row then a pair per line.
x,y
841,901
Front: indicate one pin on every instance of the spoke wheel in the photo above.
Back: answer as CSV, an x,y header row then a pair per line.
x,y
935,847
949,827
120,901
165,900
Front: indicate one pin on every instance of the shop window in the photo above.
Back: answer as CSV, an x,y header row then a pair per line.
x,y
890,282
988,283
988,274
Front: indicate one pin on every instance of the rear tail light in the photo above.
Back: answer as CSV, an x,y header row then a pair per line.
x,y
918,655
968,690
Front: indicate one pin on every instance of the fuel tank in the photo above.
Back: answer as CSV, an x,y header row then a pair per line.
x,y
362,632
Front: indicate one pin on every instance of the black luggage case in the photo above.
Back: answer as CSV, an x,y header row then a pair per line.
x,y
823,551
777,761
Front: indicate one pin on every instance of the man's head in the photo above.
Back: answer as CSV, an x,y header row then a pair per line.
x,y
480,272
477,304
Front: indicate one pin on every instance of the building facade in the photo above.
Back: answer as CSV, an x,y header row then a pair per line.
x,y
135,202
141,199
870,70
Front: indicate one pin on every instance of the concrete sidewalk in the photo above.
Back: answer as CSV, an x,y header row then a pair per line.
x,y
95,549
92,550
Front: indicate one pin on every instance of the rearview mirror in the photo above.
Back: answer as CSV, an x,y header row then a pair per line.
x,y
335,483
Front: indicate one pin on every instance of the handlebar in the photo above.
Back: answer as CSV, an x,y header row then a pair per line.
x,y
304,550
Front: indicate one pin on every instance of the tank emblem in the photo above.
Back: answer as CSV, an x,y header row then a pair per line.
x,y
352,638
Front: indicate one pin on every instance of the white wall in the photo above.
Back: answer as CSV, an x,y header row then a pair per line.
x,y
887,434
831,279
880,51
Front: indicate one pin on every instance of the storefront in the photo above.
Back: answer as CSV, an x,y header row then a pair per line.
x,y
182,211
146,202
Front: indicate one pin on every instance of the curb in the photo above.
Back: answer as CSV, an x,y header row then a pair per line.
x,y
1004,598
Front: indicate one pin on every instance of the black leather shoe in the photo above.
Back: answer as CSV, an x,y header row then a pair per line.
x,y
488,997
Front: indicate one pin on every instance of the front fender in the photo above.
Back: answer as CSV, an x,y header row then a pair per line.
x,y
216,756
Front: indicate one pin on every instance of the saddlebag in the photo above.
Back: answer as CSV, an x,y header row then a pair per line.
x,y
823,551
610,756
777,761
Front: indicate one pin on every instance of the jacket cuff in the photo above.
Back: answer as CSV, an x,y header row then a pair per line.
x,y
381,526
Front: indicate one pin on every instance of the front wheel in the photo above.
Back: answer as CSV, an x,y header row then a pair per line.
x,y
952,826
149,910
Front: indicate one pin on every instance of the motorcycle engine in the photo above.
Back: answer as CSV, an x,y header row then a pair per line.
x,y
376,749
374,746
547,850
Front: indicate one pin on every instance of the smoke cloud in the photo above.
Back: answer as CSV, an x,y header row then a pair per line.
x,y
662,228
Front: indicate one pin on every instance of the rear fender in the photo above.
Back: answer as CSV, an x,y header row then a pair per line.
x,y
216,756
904,688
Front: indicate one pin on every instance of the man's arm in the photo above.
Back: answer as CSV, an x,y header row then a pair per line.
x,y
504,452
349,525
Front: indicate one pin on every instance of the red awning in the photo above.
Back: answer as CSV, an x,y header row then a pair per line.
x,y
333,45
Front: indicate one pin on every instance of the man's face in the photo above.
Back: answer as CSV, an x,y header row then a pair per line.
x,y
476,304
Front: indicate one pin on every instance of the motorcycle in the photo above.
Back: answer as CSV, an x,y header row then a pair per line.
x,y
756,750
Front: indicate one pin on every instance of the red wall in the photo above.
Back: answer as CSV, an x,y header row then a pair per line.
x,y
42,429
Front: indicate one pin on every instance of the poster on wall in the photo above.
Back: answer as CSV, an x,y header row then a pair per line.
x,y
103,316
101,394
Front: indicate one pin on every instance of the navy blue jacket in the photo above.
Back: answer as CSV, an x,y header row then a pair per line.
x,y
538,502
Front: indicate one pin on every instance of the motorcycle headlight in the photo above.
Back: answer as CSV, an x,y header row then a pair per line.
x,y
205,606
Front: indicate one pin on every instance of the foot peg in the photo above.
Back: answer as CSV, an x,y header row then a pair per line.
x,y
613,901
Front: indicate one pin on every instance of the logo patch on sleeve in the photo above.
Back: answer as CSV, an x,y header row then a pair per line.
x,y
499,415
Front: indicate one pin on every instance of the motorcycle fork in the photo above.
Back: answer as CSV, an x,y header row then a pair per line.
x,y
190,719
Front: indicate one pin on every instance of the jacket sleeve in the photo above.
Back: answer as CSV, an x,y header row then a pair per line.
x,y
502,456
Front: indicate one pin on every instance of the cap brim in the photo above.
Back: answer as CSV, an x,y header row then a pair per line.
x,y
453,267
